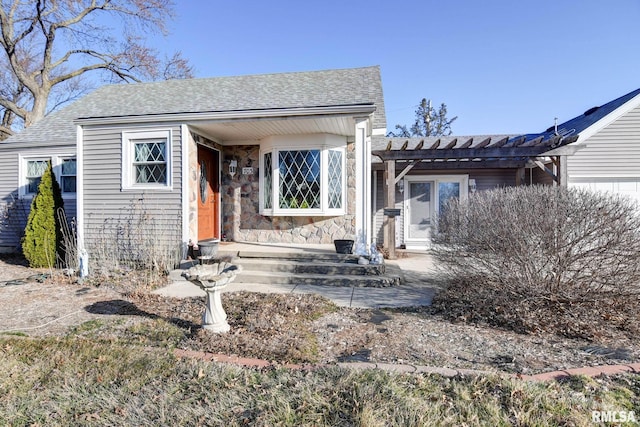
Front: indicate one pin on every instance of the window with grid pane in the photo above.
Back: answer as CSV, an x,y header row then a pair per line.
x,y
35,169
299,179
150,161
335,179
268,181
68,175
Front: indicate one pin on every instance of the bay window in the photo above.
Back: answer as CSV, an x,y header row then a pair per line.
x,y
303,176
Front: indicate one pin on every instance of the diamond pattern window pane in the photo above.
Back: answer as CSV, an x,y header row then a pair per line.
x,y
150,164
268,181
151,174
35,169
69,167
335,179
150,151
299,179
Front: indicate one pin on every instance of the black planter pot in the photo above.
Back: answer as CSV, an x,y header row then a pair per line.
x,y
343,246
208,248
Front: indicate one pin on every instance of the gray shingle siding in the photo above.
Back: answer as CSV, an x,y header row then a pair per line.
x,y
13,210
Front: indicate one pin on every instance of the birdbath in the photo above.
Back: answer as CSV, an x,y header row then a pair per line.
x,y
212,278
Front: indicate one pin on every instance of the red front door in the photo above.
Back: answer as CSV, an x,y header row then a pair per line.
x,y
208,194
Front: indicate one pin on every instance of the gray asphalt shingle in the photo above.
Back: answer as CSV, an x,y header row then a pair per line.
x,y
237,93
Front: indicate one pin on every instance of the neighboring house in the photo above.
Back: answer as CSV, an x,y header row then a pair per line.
x,y
262,158
609,141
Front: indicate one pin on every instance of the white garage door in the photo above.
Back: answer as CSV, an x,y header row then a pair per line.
x,y
628,187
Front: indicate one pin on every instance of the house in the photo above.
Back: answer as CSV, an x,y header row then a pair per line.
x,y
286,158
261,158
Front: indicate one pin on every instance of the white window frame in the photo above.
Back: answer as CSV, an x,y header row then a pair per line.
x,y
60,175
322,143
129,139
56,163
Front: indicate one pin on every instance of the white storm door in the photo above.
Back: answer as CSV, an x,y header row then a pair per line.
x,y
418,211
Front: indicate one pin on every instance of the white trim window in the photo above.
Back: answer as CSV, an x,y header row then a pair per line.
x,y
68,173
146,157
303,176
32,168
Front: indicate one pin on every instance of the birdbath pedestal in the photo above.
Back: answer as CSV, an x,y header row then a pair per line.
x,y
212,278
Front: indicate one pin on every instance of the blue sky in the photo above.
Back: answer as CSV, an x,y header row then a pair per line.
x,y
500,66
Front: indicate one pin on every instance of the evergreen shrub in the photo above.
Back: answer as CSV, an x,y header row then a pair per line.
x,y
42,240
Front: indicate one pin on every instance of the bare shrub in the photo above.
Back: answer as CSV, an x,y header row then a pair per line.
x,y
69,259
542,245
137,239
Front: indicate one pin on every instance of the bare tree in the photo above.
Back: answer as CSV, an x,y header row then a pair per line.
x,y
428,122
47,47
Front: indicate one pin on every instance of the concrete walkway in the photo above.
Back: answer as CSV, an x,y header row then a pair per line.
x,y
419,287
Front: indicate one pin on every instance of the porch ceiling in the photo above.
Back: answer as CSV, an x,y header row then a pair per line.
x,y
240,130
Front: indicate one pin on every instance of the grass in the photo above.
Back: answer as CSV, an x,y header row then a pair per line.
x,y
78,380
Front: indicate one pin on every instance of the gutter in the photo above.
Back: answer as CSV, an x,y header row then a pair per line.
x,y
276,113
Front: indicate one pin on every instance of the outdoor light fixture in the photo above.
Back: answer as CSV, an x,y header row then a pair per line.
x,y
472,185
233,165
401,186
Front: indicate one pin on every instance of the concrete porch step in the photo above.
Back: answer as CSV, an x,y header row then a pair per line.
x,y
309,266
292,256
288,278
303,267
343,280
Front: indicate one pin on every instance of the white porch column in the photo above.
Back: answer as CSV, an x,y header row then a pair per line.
x,y
363,187
80,223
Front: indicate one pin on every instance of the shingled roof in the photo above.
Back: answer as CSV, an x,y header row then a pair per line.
x,y
353,86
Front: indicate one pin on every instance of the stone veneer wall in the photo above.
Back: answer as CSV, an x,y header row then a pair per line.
x,y
242,222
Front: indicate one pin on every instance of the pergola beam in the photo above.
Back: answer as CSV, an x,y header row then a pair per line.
x,y
461,153
460,165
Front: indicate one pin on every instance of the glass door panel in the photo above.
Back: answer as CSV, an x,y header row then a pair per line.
x,y
420,210
447,191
